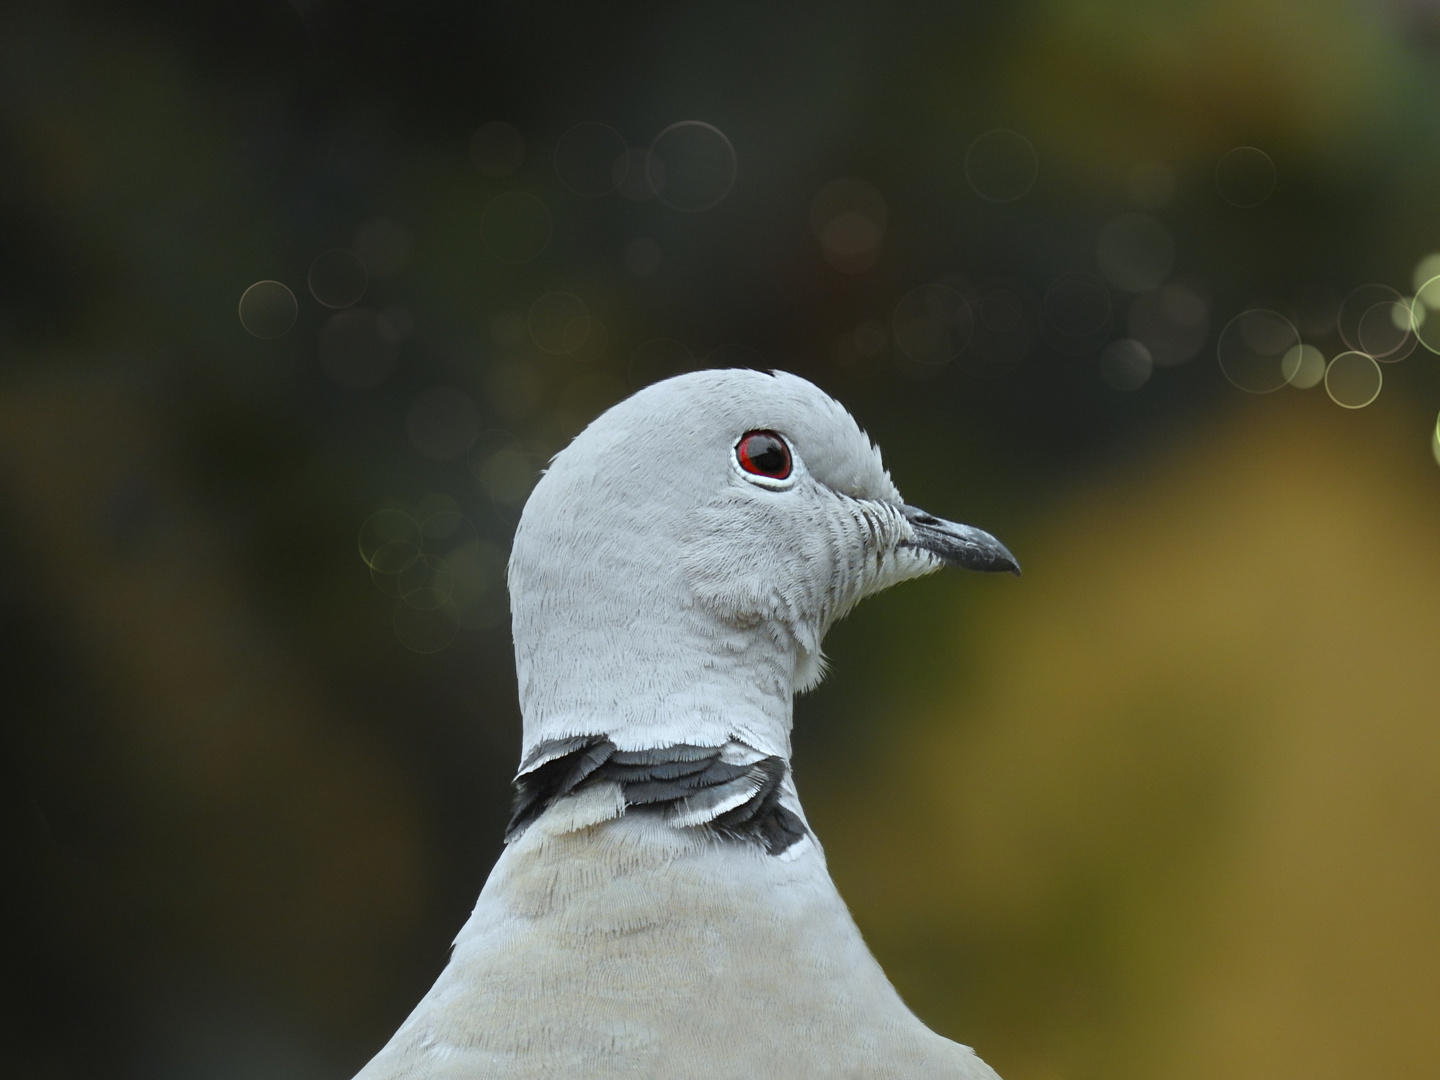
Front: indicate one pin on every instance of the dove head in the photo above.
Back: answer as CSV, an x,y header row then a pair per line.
x,y
677,566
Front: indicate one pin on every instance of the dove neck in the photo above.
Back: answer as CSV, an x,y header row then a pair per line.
x,y
633,657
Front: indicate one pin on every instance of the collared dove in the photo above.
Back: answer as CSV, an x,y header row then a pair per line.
x,y
662,909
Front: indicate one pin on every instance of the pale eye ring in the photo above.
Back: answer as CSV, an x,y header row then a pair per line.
x,y
764,458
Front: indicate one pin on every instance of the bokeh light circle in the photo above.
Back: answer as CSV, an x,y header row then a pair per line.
x,y
849,217
933,324
1135,252
1001,166
426,583
999,311
586,159
337,278
1426,268
268,309
1353,380
1303,366
1425,314
1385,331
477,572
1357,305
444,527
396,323
851,241
383,527
358,349
389,561
692,166
435,564
1126,364
862,351
515,227
1252,350
1173,322
1006,321
1245,176
1077,305
559,322
505,471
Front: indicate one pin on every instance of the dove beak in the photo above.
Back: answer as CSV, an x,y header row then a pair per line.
x,y
959,545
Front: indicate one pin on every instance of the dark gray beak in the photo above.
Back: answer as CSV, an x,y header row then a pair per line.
x,y
959,545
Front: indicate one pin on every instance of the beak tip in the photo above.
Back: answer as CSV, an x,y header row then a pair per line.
x,y
1008,566
961,545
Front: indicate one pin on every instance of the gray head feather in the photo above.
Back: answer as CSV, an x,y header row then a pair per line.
x,y
660,596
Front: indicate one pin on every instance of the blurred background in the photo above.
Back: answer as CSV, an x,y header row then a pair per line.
x,y
296,298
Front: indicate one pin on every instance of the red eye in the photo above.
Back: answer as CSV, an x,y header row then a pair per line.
x,y
764,453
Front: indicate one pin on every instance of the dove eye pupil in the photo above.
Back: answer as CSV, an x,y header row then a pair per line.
x,y
764,453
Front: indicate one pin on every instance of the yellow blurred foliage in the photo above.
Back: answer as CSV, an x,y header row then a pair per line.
x,y
1107,84
1180,814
